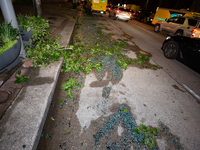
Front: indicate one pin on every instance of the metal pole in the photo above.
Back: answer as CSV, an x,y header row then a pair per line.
x,y
37,8
8,12
9,16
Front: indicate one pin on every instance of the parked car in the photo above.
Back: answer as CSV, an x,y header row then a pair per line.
x,y
120,13
182,26
145,16
149,18
131,12
184,49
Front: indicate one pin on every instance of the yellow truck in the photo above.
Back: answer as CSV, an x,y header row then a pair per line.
x,y
96,6
165,13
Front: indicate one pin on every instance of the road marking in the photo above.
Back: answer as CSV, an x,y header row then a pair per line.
x,y
192,92
111,24
141,28
134,25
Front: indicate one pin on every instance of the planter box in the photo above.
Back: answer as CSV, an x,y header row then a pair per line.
x,y
26,36
10,58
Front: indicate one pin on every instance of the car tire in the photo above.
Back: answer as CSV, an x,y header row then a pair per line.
x,y
109,15
178,33
157,28
171,50
126,20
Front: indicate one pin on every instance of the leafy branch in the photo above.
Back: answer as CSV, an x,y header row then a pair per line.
x,y
142,58
68,86
45,49
149,133
20,78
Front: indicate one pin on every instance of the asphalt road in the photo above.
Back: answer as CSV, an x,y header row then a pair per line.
x,y
145,37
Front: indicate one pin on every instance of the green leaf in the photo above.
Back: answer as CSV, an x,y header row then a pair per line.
x,y
141,131
159,67
153,141
146,141
125,110
52,118
68,132
61,101
19,72
145,127
136,130
141,126
152,144
25,79
155,131
18,80
68,86
146,134
151,130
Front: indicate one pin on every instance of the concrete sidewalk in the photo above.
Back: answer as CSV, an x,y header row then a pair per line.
x,y
25,111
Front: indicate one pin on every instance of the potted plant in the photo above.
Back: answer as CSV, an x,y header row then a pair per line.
x,y
10,46
44,48
32,28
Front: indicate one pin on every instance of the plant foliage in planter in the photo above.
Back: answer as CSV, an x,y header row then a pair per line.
x,y
38,25
8,36
46,48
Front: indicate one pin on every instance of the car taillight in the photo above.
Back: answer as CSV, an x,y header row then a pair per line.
x,y
118,11
192,36
194,30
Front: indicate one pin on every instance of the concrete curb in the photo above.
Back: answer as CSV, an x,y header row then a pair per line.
x,y
22,124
